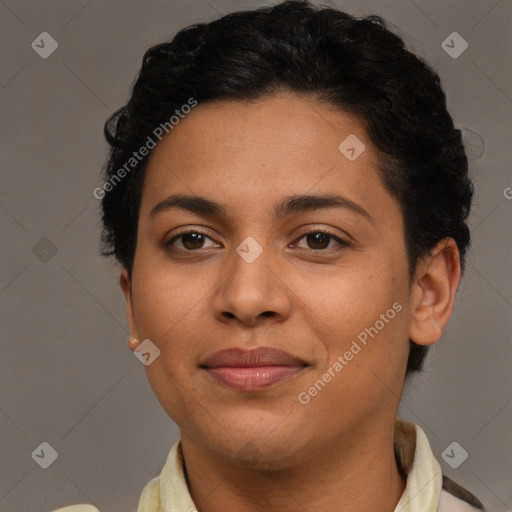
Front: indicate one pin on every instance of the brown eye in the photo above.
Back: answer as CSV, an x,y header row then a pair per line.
x,y
319,240
190,241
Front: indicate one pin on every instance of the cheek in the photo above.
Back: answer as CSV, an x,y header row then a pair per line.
x,y
366,352
364,315
166,306
354,297
166,300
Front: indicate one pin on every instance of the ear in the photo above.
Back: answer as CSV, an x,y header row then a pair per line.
x,y
125,283
436,281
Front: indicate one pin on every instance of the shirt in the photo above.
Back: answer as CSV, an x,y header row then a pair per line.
x,y
427,490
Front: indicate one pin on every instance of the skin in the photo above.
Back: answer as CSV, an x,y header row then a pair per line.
x,y
255,451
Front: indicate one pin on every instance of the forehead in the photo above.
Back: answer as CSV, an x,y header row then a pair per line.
x,y
254,152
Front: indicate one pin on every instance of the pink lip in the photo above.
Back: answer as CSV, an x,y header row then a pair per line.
x,y
250,370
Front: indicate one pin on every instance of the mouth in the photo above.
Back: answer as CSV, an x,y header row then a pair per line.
x,y
252,370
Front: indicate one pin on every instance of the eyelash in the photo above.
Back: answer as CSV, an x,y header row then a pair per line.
x,y
342,244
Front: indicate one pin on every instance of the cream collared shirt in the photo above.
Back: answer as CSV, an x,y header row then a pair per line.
x,y
168,492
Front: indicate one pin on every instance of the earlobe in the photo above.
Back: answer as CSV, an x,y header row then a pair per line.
x,y
433,294
125,283
132,343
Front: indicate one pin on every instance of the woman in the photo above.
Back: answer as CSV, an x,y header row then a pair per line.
x,y
287,196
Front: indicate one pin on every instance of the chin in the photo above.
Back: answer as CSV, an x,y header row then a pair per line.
x,y
264,448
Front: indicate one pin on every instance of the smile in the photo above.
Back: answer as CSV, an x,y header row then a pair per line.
x,y
252,370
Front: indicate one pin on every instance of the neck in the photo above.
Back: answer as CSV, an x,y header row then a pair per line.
x,y
360,475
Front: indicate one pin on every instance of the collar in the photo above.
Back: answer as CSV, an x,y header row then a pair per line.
x,y
417,462
169,491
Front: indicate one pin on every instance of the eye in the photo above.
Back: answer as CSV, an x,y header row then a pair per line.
x,y
190,240
319,239
316,240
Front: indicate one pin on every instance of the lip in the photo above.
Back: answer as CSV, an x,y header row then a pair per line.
x,y
251,370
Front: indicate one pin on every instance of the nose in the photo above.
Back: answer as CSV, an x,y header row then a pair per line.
x,y
253,290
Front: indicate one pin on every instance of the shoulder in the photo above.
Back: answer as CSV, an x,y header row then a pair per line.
x,y
455,498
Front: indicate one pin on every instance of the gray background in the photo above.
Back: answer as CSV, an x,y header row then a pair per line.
x,y
66,376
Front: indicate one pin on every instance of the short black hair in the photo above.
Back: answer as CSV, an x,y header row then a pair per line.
x,y
356,64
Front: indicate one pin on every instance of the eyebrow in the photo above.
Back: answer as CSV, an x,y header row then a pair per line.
x,y
288,206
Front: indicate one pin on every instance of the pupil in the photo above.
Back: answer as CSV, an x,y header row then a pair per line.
x,y
319,237
195,238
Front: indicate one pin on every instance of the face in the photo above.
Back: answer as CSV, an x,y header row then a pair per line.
x,y
329,285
